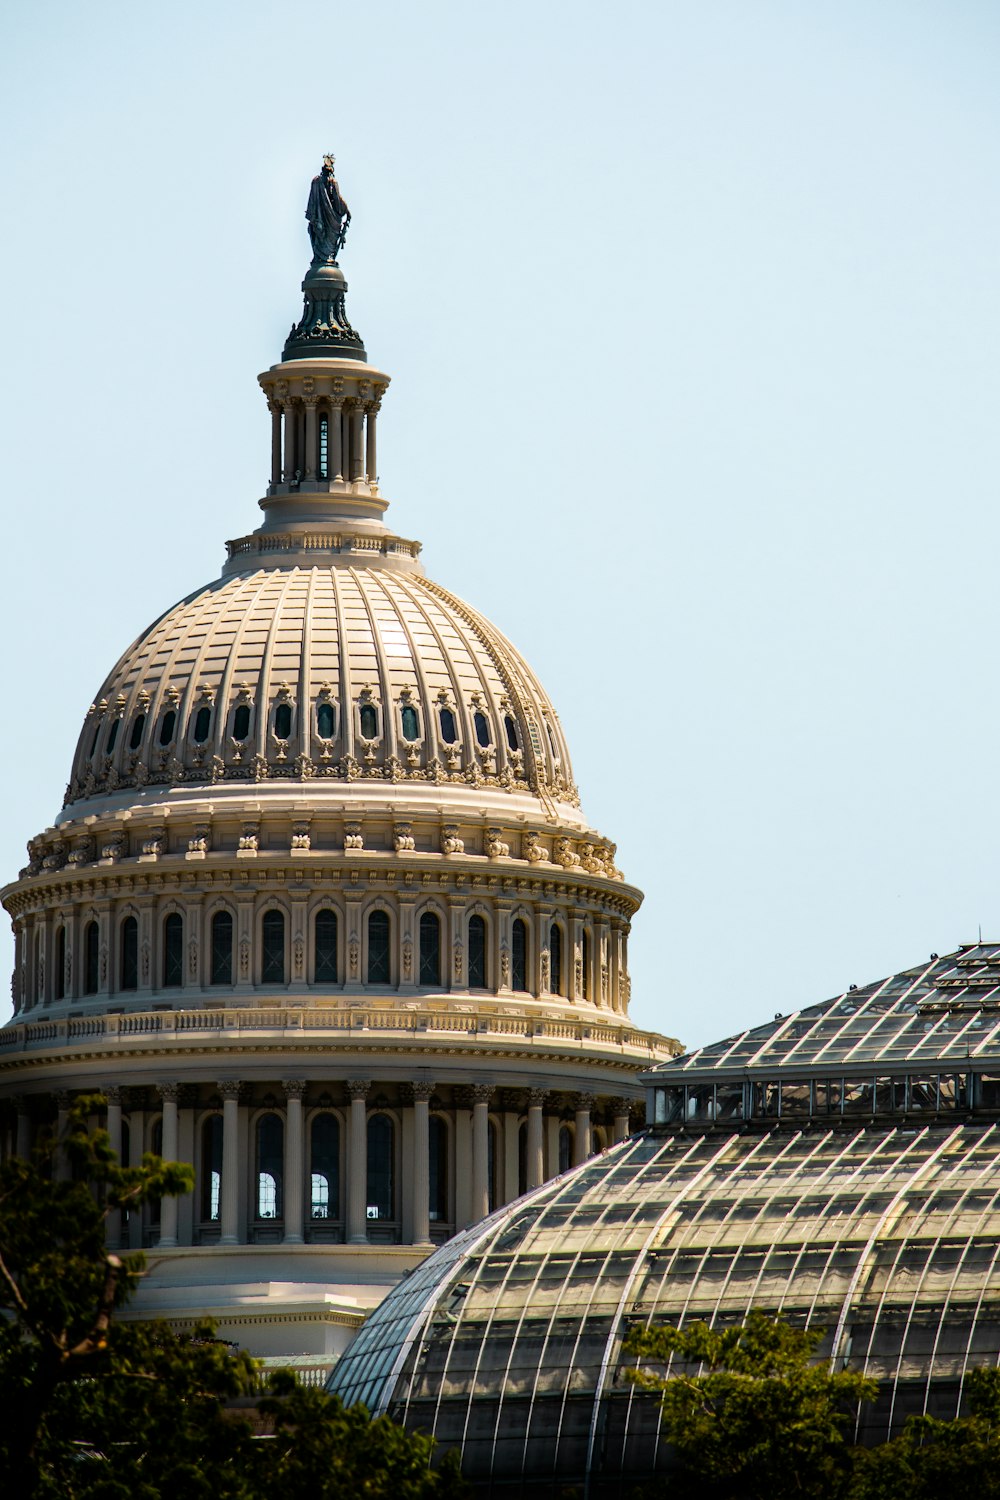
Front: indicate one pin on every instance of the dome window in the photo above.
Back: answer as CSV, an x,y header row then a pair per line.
x,y
241,722
283,721
325,967
222,948
113,736
410,722
477,954
449,729
129,975
482,730
135,738
270,1163
519,956
378,948
511,730
324,721
272,942
60,974
380,1200
168,726
369,721
555,959
94,737
173,950
324,1168
211,1168
437,1150
91,959
324,446
552,740
202,724
430,949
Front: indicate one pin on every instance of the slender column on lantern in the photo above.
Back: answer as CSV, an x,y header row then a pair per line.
x,y
622,1109
581,1132
421,1163
275,410
481,1150
294,1163
371,462
229,1206
345,440
309,457
168,1206
535,1142
336,434
113,1223
357,1177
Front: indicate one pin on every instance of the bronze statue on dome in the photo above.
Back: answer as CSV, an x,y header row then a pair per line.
x,y
328,216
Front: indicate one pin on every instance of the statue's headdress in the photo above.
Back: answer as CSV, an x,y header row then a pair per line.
x,y
329,160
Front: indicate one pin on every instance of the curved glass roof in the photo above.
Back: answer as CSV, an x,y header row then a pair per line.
x,y
873,1212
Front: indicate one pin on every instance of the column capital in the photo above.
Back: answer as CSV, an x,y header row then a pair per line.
x,y
357,1088
229,1088
621,1106
482,1093
537,1098
423,1090
62,1098
169,1092
584,1102
294,1087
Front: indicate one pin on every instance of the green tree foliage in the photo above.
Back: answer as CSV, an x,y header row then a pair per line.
x,y
931,1458
745,1412
95,1409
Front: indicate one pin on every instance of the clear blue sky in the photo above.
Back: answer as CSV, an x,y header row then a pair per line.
x,y
693,319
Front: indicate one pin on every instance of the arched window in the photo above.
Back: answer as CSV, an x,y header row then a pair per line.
x,y
202,724
565,1148
491,1164
211,1167
112,735
272,947
449,729
555,959
477,954
519,955
94,737
270,1159
128,976
91,959
324,445
135,738
586,965
369,722
326,947
324,1168
222,948
378,948
173,950
60,974
410,722
283,721
324,721
437,1146
241,722
167,726
430,948
381,1187
511,730
482,730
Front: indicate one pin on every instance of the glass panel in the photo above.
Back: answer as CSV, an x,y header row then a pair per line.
x,y
270,1161
378,948
449,729
482,730
438,1148
167,727
324,721
511,730
491,1164
135,738
222,948
519,956
411,725
555,950
565,1148
241,722
380,1167
173,950
369,722
859,1096
272,944
324,1167
211,1166
430,949
477,954
326,947
91,959
283,721
129,977
202,724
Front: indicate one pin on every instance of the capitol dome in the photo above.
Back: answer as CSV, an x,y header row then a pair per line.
x,y
321,913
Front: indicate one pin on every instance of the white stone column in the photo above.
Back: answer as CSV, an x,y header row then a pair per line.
x,y
291,447
168,1206
357,419
357,1172
622,1108
535,1143
294,1161
481,1150
113,1222
229,1198
421,1163
275,410
581,1131
371,461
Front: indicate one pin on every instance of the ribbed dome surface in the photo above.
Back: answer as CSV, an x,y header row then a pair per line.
x,y
351,672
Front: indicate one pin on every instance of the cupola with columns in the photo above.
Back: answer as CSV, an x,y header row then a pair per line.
x,y
322,913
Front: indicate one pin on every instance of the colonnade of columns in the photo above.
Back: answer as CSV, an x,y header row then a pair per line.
x,y
329,438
